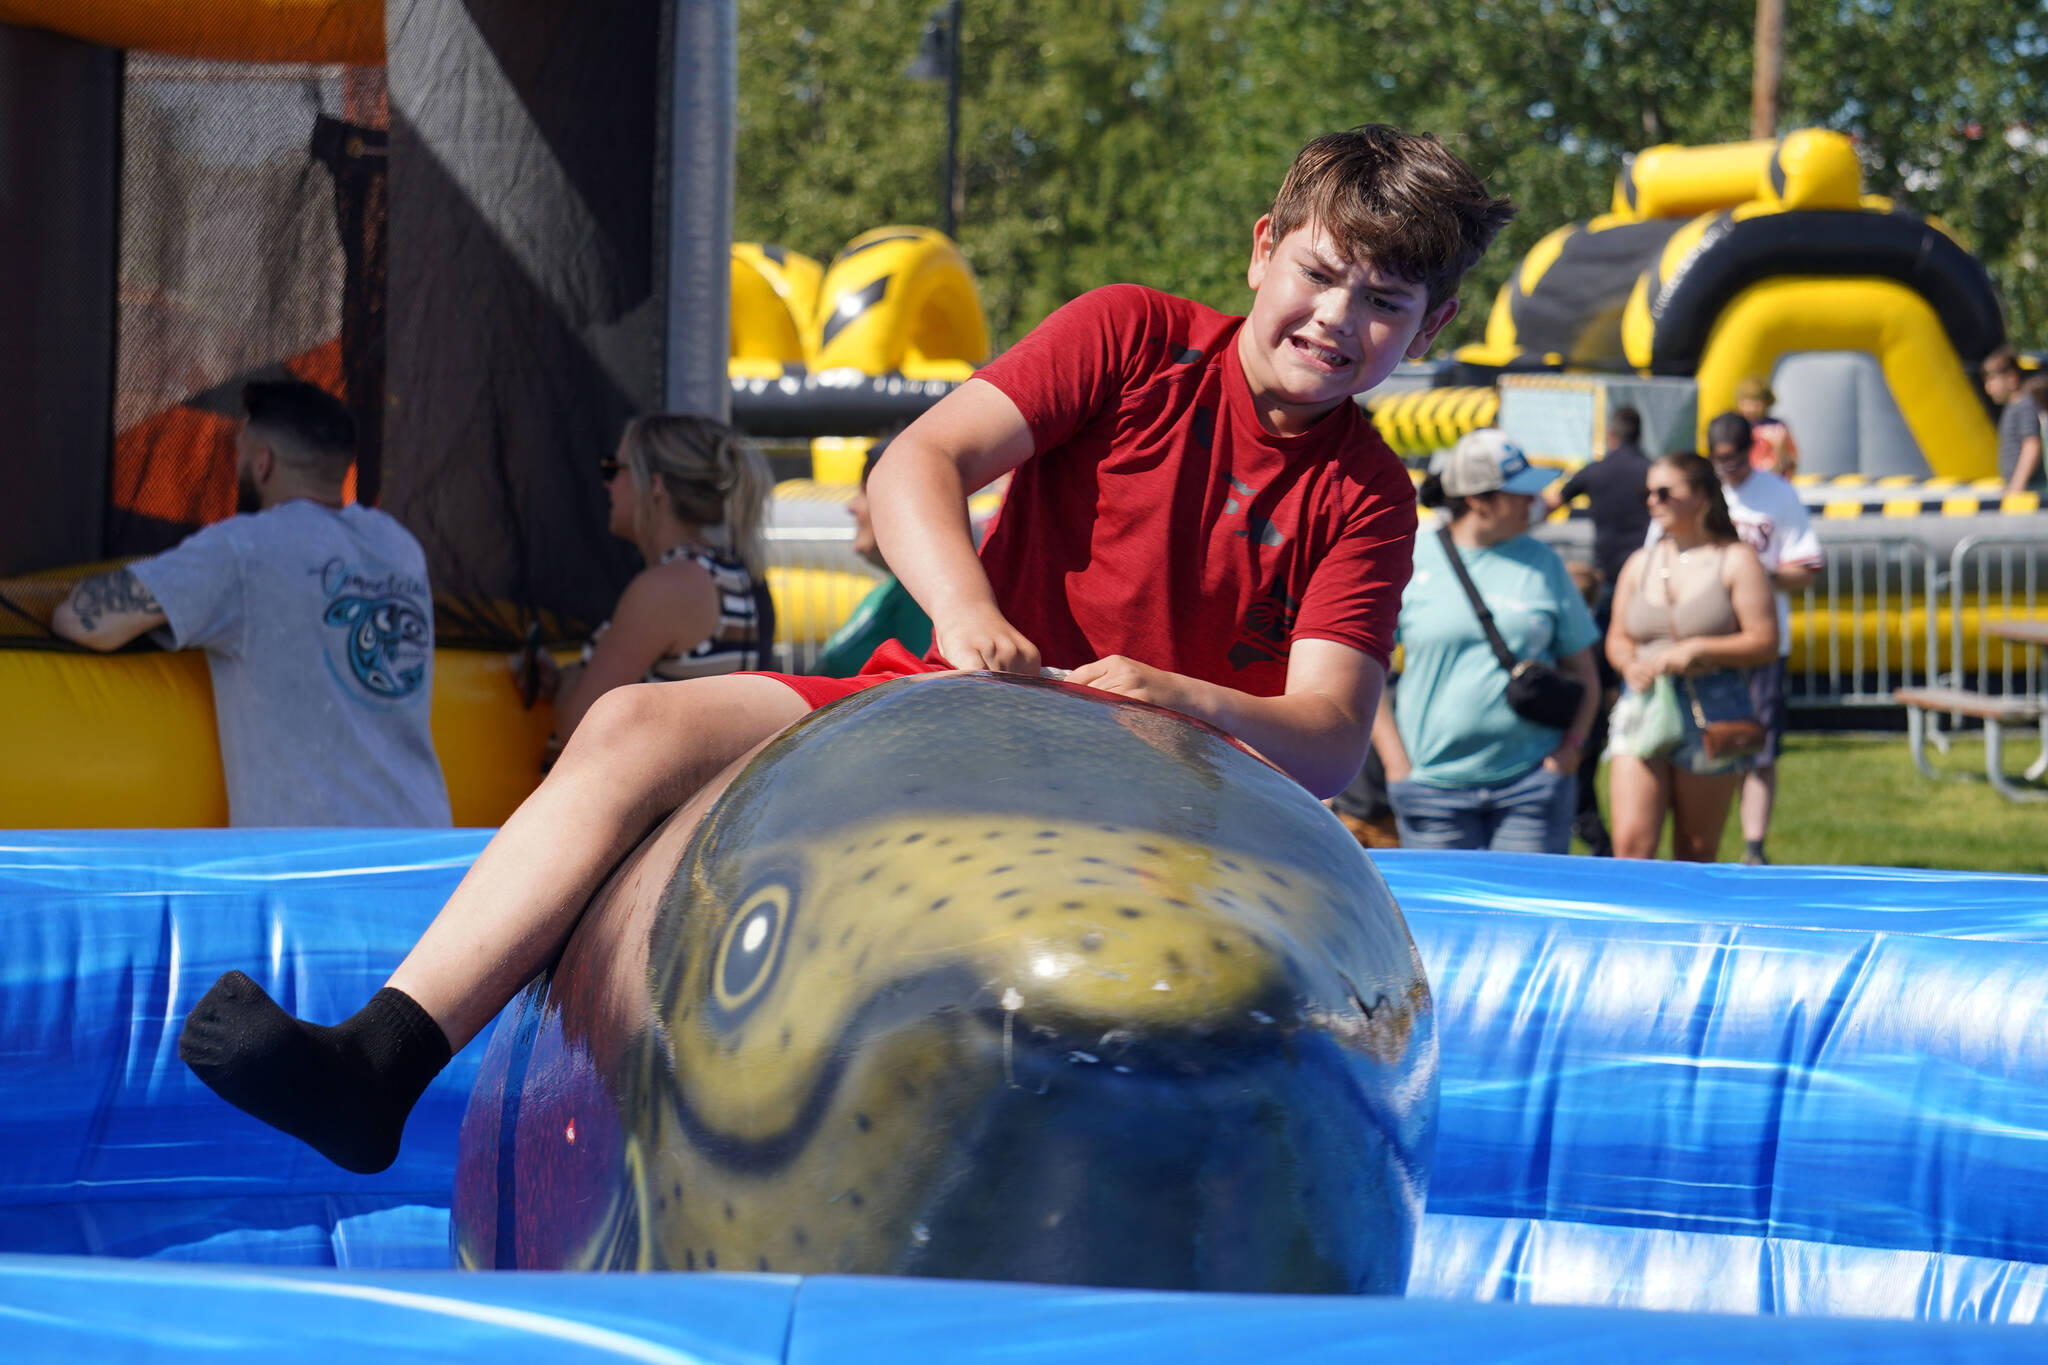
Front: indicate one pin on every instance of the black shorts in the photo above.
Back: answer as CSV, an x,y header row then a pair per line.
x,y
1767,695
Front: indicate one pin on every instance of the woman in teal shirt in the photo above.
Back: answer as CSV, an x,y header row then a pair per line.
x,y
1463,769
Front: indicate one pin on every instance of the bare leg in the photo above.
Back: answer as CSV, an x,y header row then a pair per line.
x,y
1699,812
1638,794
1759,790
639,753
346,1089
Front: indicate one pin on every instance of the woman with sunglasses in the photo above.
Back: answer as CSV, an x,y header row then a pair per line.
x,y
1695,605
690,494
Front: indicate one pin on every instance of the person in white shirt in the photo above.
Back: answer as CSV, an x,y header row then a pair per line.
x,y
1772,521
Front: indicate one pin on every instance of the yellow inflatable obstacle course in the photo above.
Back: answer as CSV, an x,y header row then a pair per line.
x,y
1721,262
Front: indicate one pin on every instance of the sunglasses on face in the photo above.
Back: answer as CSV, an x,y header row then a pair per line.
x,y
1656,495
607,470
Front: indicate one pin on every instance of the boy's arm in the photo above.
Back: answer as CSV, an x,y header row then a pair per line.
x,y
1315,732
917,495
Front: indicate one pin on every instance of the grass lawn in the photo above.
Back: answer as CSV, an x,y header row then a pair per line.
x,y
1851,799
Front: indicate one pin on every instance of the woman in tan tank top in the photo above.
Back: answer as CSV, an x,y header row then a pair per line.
x,y
1693,602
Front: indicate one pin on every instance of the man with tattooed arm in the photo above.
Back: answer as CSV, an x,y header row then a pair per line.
x,y
316,621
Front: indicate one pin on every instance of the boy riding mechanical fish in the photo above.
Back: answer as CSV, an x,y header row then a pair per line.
x,y
1200,517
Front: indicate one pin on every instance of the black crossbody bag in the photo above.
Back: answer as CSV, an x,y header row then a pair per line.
x,y
1536,690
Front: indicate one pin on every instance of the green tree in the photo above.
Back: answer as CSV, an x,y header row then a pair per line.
x,y
1139,139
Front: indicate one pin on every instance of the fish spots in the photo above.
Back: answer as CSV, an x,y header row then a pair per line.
x,y
710,1260
1152,850
869,875
1231,865
786,1037
763,1263
1022,912
1073,905
1047,834
939,904
800,1237
1010,893
999,871
1275,906
1091,942
863,1122
1130,912
729,1215
963,858
1221,946
1093,861
689,1260
916,836
901,887
1174,961
1278,880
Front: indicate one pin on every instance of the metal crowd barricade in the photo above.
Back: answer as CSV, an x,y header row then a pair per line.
x,y
1991,577
1867,624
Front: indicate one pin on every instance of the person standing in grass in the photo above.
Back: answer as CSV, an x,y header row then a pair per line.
x,y
1694,605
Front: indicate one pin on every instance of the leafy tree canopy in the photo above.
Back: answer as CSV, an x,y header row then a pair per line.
x,y
1107,140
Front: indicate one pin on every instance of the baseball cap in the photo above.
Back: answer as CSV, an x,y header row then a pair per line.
x,y
1485,461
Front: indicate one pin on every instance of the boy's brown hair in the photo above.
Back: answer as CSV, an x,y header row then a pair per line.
x,y
1400,200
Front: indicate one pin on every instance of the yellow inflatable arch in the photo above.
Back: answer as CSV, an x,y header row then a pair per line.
x,y
1893,323
900,300
774,293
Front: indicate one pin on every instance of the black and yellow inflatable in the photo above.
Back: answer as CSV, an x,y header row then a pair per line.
x,y
868,342
1716,262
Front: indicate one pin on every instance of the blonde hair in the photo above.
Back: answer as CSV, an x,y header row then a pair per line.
x,y
714,479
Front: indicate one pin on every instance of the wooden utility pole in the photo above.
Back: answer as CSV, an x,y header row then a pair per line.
x,y
1770,57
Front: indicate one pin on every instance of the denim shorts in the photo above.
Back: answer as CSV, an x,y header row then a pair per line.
x,y
1528,814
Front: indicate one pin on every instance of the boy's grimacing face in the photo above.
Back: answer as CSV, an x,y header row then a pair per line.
x,y
1323,326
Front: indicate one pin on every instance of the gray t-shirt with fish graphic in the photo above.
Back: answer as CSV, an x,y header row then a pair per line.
x,y
319,633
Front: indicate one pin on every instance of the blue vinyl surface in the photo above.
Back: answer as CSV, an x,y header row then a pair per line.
x,y
1782,1093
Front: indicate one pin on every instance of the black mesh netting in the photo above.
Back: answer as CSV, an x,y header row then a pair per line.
x,y
250,245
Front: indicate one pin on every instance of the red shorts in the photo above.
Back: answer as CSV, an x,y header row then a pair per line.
x,y
886,664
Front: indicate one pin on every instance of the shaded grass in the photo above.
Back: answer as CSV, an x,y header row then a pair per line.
x,y
1858,800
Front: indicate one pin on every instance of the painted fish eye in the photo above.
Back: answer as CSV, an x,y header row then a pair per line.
x,y
751,947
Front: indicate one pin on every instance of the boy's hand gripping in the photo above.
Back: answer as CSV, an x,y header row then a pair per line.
x,y
985,640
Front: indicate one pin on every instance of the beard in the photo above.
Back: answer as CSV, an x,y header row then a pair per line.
x,y
247,497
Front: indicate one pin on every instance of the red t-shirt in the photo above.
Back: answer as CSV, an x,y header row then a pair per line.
x,y
1161,521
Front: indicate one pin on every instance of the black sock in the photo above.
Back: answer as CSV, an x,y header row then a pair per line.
x,y
343,1090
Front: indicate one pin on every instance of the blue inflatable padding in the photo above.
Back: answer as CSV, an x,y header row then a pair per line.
x,y
68,1309
1523,1260
1763,1091
106,940
1761,1052
75,1308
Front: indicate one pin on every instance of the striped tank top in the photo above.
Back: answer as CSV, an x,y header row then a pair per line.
x,y
735,643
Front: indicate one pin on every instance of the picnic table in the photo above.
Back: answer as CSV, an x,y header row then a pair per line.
x,y
1995,711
